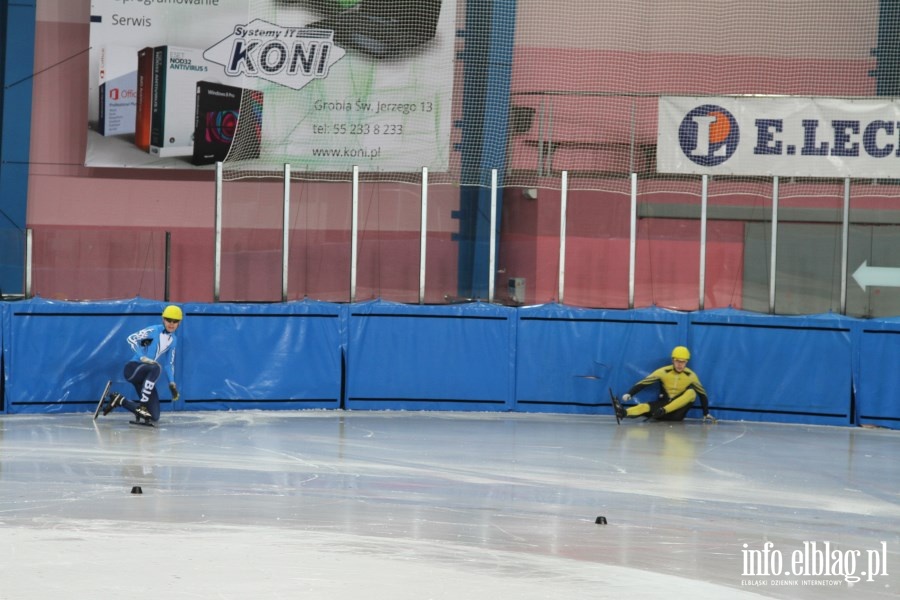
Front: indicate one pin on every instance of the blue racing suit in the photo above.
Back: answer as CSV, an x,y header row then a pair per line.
x,y
154,352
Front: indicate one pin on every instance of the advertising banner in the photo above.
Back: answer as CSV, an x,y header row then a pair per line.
x,y
783,136
324,85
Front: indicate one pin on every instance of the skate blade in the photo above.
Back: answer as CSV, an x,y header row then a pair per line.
x,y
102,399
616,406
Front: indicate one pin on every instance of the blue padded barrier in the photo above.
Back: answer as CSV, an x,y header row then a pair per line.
x,y
407,357
821,369
4,327
790,369
568,358
59,355
229,356
877,373
263,356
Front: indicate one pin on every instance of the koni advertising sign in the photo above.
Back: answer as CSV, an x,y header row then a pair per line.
x,y
324,85
783,136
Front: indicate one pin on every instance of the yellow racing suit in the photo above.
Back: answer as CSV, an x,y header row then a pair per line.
x,y
677,392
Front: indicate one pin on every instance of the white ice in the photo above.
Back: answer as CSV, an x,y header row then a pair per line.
x,y
417,505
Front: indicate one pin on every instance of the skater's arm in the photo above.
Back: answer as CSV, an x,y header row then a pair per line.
x,y
169,364
647,381
139,341
704,401
701,393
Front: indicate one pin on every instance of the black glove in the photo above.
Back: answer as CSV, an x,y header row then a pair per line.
x,y
146,342
174,391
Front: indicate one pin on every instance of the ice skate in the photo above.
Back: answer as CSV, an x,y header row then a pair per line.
x,y
142,416
619,410
142,412
114,401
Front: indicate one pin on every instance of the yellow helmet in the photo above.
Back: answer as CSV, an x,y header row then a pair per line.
x,y
681,353
173,313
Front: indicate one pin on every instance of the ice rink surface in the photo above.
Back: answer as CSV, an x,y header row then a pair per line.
x,y
426,505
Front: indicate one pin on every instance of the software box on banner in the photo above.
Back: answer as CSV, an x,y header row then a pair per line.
x,y
117,100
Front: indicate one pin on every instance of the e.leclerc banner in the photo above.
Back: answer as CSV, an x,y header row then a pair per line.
x,y
320,84
783,136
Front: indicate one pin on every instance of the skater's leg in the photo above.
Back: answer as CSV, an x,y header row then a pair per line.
x,y
677,407
143,377
152,403
141,410
638,410
647,409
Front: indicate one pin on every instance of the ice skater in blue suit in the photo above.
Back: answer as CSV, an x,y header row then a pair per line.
x,y
154,352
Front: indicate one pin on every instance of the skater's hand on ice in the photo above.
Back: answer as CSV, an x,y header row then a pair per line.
x,y
626,397
174,391
708,418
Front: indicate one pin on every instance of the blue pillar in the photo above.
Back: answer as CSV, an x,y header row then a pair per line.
x,y
17,22
887,51
489,32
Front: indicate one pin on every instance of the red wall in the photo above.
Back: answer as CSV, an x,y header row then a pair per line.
x,y
98,232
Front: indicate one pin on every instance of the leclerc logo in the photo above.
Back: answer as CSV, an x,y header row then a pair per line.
x,y
709,135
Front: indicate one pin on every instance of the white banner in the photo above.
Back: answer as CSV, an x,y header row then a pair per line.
x,y
326,84
784,136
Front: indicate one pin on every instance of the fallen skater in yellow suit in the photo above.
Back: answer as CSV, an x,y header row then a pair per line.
x,y
678,388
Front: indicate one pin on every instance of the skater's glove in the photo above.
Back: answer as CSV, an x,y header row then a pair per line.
x,y
708,418
148,360
626,397
174,391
